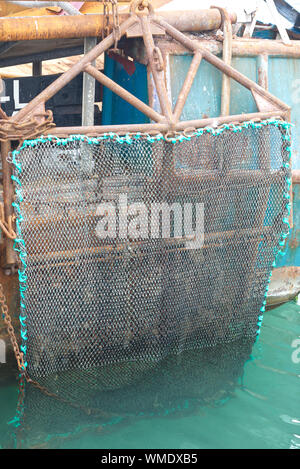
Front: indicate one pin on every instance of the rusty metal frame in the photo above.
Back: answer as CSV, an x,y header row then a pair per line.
x,y
227,55
168,120
146,22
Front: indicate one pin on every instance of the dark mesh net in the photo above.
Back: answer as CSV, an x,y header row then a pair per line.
x,y
177,386
106,299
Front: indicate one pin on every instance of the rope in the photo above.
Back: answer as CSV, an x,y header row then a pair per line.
x,y
10,130
6,226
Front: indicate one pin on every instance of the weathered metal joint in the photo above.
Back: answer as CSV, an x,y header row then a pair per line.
x,y
141,5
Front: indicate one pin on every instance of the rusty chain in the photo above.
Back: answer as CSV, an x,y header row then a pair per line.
x,y
10,130
22,366
11,332
116,21
3,114
7,226
105,27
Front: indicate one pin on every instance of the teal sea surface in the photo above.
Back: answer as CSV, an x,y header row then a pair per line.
x,y
244,399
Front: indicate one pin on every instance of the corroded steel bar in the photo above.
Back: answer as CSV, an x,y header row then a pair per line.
x,y
227,54
186,87
161,127
54,27
241,47
130,98
254,47
157,69
102,129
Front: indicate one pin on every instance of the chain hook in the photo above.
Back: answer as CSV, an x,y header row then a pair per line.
x,y
141,5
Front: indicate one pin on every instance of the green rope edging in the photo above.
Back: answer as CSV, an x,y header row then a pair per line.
x,y
285,221
19,244
129,138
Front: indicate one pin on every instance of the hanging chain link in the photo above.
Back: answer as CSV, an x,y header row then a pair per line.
x,y
22,366
116,23
105,28
7,226
10,130
115,18
11,332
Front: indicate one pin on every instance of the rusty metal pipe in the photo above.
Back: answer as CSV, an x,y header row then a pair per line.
x,y
186,87
195,20
241,47
253,47
161,127
157,70
227,55
54,27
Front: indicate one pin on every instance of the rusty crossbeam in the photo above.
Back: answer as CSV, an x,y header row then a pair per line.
x,y
55,27
164,127
147,110
241,47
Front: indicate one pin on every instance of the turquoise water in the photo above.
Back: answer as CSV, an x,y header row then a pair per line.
x,y
259,406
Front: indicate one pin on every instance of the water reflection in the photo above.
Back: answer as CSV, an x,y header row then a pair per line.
x,y
104,399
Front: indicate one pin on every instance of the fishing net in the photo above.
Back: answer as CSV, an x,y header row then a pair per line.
x,y
137,248
179,386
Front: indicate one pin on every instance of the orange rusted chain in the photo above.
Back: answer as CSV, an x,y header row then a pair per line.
x,y
10,130
11,332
